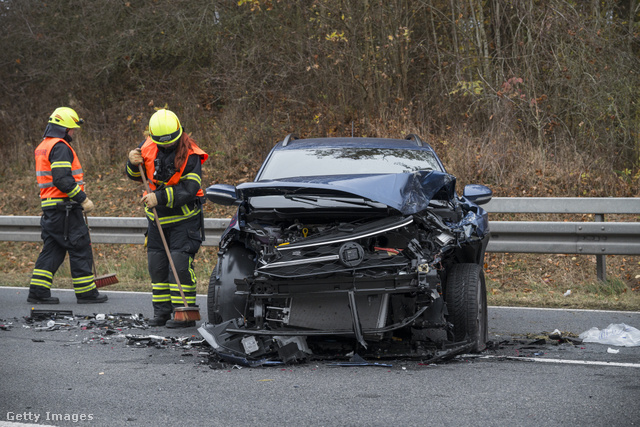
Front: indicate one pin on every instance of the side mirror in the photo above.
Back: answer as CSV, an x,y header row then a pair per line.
x,y
222,194
478,194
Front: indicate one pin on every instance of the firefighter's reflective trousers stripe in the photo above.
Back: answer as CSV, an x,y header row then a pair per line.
x,y
184,241
57,244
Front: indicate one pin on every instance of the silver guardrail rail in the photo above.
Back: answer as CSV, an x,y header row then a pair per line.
x,y
592,238
599,237
117,230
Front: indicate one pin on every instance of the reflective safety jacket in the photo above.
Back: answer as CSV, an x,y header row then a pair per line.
x,y
174,204
58,178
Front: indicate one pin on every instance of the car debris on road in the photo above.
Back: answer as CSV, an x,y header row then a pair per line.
x,y
50,320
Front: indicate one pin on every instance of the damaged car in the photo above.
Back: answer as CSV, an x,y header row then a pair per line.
x,y
359,239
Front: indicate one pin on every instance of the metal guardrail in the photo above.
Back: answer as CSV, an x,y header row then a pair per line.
x,y
587,238
117,230
592,238
598,238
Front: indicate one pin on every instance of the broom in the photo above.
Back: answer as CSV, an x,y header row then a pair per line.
x,y
180,314
105,279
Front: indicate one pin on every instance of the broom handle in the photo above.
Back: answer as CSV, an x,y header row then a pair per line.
x,y
164,241
93,259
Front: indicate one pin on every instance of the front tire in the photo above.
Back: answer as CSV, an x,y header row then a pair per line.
x,y
466,299
222,302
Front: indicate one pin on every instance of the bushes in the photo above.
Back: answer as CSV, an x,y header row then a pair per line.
x,y
550,86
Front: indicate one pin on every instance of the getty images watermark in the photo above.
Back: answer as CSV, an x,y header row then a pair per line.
x,y
47,416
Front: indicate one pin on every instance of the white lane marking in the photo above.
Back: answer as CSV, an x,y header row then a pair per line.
x,y
563,309
566,362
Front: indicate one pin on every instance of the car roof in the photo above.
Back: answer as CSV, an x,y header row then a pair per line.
x,y
412,142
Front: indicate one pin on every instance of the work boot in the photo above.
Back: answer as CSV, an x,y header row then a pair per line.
x,y
95,299
159,320
175,324
42,300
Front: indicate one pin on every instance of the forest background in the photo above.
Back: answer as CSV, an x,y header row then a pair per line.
x,y
529,97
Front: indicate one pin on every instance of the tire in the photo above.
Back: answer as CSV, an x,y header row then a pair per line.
x,y
466,299
222,302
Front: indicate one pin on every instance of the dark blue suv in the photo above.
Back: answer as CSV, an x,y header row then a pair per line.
x,y
360,238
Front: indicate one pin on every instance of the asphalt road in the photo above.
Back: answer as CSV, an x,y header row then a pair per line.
x,y
74,376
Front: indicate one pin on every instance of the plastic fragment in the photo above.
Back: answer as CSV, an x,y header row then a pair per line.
x,y
357,360
619,334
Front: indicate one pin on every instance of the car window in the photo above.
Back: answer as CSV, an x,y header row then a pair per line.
x,y
341,161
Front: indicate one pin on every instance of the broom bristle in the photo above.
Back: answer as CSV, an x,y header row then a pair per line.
x,y
106,280
186,314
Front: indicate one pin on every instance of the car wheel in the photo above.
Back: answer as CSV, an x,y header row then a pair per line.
x,y
222,302
466,299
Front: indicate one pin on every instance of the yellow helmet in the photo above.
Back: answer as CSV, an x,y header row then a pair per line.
x,y
65,117
164,127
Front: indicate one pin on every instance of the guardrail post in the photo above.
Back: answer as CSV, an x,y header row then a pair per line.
x,y
601,260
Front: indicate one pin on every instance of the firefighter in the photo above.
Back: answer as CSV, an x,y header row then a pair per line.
x,y
173,167
62,198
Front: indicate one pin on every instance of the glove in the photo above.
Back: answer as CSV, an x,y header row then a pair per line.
x,y
150,199
135,157
87,205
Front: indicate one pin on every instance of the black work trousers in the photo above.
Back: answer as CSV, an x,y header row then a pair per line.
x,y
64,231
184,240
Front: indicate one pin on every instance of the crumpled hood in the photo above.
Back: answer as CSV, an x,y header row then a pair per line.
x,y
409,193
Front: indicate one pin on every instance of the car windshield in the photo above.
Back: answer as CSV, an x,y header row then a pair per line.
x,y
351,161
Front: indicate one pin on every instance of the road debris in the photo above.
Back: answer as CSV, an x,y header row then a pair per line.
x,y
4,326
247,350
159,341
222,346
357,360
620,334
533,345
55,320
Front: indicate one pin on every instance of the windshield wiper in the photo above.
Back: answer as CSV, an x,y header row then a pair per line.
x,y
317,199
